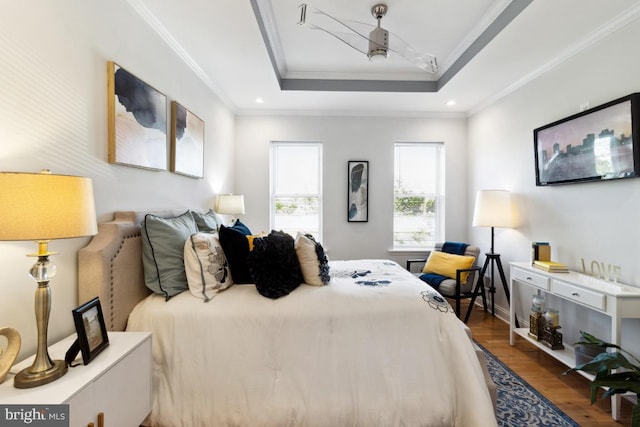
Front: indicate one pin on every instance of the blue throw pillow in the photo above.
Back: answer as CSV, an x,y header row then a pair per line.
x,y
241,228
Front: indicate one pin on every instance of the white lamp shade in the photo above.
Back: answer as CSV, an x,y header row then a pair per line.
x,y
232,204
43,206
494,208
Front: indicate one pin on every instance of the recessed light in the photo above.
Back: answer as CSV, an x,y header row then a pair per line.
x,y
259,101
451,103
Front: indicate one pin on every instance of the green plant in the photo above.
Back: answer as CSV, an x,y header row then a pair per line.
x,y
626,377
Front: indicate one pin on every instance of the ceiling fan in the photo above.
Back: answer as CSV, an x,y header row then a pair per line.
x,y
376,43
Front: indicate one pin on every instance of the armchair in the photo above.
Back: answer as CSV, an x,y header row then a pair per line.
x,y
457,289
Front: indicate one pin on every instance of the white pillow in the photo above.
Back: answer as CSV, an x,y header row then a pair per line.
x,y
315,270
206,266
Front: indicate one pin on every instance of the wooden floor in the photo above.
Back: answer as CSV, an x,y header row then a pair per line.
x,y
569,392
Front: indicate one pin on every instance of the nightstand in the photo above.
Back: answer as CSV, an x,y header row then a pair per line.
x,y
113,390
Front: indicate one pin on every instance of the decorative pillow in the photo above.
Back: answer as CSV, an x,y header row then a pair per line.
x,y
206,266
163,252
241,228
446,264
313,261
274,265
207,222
236,249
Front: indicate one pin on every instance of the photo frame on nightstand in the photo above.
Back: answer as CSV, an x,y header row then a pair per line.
x,y
91,329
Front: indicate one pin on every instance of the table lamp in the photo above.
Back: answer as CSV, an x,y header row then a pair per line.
x,y
230,204
494,208
43,207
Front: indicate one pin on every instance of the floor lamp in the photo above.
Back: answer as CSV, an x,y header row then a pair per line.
x,y
493,209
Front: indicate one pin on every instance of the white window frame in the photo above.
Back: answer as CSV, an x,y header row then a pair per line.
x,y
272,173
438,196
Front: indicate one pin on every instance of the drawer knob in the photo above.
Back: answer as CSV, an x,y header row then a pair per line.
x,y
575,294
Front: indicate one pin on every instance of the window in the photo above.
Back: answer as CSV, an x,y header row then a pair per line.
x,y
296,188
418,214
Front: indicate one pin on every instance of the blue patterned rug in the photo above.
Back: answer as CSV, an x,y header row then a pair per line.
x,y
519,404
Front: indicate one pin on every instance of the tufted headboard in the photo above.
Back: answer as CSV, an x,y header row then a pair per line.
x,y
110,267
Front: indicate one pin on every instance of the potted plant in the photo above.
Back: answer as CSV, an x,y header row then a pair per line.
x,y
625,379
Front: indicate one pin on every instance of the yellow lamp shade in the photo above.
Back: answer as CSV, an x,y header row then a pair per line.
x,y
43,206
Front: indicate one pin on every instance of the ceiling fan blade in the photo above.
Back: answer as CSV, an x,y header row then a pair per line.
x,y
422,60
354,41
357,36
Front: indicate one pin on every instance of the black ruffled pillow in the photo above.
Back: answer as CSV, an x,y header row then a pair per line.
x,y
313,261
274,266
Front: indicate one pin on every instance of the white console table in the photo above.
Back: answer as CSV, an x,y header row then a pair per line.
x,y
614,300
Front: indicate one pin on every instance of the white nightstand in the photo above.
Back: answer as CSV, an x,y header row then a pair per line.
x,y
116,384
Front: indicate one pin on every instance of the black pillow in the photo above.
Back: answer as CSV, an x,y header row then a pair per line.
x,y
236,248
274,266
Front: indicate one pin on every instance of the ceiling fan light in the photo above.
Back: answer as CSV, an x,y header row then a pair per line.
x,y
377,55
378,44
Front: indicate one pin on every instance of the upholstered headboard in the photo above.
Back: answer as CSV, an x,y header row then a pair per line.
x,y
110,267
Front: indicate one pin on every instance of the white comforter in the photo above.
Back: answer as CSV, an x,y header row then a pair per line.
x,y
382,352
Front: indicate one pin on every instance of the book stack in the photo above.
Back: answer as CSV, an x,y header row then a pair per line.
x,y
551,266
540,251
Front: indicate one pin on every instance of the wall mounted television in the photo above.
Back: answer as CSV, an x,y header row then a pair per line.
x,y
601,143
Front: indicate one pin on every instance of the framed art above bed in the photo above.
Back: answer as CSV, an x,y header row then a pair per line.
x,y
137,121
187,142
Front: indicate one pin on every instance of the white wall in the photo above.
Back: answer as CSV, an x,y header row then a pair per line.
x,y
594,221
53,114
344,139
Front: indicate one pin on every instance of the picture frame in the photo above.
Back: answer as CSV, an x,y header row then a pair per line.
x,y
358,191
187,142
91,329
137,121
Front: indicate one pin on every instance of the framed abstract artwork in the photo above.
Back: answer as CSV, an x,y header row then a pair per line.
x,y
358,191
187,142
137,121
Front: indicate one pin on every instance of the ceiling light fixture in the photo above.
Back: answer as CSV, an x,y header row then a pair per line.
x,y
451,103
378,37
259,100
371,40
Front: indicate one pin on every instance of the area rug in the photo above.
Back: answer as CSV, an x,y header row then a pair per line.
x,y
519,404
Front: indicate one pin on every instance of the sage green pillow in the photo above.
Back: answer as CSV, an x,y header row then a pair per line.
x,y
207,222
163,242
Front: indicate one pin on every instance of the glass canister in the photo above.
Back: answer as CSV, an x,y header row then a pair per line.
x,y
552,317
537,304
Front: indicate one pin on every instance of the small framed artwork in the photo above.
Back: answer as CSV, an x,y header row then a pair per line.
x,y
358,192
137,125
91,329
187,142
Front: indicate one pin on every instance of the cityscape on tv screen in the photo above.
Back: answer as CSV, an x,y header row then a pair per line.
x,y
598,145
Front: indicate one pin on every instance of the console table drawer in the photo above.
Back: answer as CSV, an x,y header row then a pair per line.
x,y
579,295
533,279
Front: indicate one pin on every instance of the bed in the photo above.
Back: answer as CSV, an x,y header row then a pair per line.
x,y
374,347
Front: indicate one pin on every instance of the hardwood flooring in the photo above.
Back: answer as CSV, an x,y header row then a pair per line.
x,y
569,392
